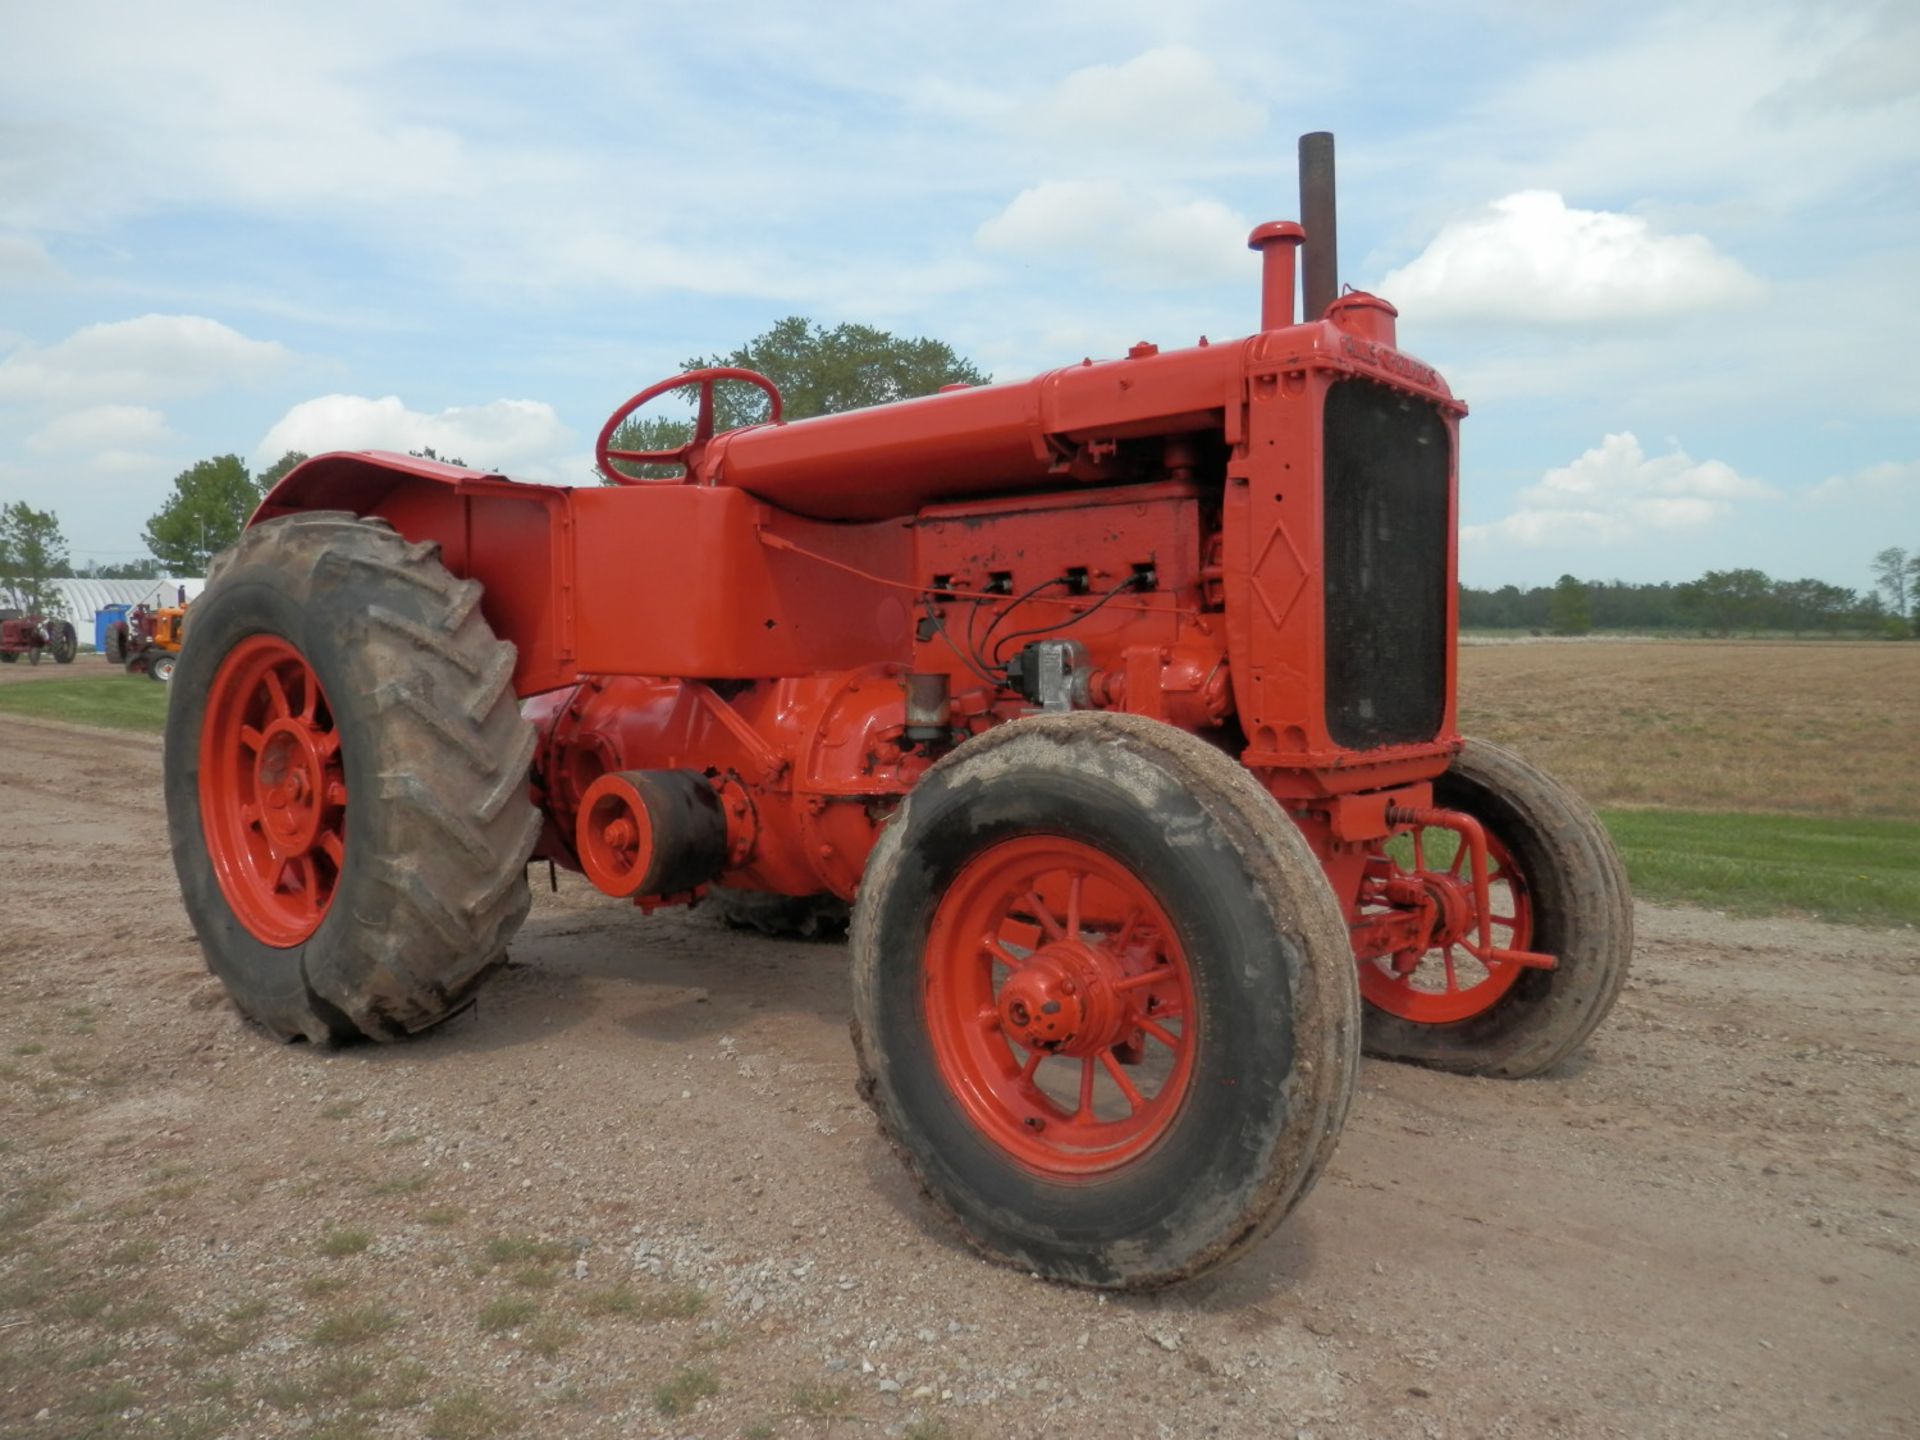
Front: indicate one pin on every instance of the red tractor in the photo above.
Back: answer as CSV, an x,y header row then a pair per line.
x,y
1118,702
34,636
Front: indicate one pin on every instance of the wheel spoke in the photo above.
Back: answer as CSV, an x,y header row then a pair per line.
x,y
327,745
310,880
1453,980
252,738
1075,884
335,850
1125,933
992,946
989,1017
1034,1057
1159,1032
1049,922
1134,1098
1084,1115
277,695
1150,977
311,698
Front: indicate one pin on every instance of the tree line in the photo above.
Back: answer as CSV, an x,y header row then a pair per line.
x,y
1720,602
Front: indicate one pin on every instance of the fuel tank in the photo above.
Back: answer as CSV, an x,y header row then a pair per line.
x,y
978,440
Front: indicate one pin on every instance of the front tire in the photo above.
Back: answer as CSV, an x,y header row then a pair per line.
x,y
1569,894
161,666
66,643
346,777
1104,1000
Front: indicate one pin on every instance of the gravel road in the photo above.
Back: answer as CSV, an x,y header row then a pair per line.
x,y
632,1193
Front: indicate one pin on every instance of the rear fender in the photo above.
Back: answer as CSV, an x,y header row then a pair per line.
x,y
514,538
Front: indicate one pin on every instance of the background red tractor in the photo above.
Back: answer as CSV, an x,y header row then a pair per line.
x,y
34,636
1119,702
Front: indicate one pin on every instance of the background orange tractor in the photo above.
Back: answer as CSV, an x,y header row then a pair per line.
x,y
147,640
1119,703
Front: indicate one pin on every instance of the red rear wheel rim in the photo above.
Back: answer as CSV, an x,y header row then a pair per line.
x,y
1447,984
273,792
1095,1082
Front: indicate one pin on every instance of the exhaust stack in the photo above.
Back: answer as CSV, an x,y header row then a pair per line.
x,y
1320,267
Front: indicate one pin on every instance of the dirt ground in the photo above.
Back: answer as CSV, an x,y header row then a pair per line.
x,y
633,1193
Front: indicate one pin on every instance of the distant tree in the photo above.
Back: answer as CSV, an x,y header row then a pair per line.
x,y
1812,605
426,453
1570,611
276,472
819,372
33,553
144,569
205,514
1725,600
1893,574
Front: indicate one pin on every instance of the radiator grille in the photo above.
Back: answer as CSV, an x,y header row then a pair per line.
x,y
1385,507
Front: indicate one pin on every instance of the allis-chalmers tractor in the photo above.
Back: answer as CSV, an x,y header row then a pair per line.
x,y
1119,703
34,636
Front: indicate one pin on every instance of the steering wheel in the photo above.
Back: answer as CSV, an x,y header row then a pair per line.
x,y
687,455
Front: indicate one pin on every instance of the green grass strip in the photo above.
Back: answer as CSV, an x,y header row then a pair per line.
x,y
1864,872
119,702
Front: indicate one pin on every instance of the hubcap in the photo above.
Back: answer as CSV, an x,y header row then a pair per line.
x,y
273,790
1060,1005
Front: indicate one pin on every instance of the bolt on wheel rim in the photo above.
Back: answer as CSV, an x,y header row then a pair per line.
x,y
273,790
1060,1005
1446,982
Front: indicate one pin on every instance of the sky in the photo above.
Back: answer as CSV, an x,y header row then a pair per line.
x,y
1669,255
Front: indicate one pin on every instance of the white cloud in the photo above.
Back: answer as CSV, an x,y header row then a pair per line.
x,y
1530,257
24,261
522,435
1616,493
1884,481
1144,237
151,358
1168,97
102,428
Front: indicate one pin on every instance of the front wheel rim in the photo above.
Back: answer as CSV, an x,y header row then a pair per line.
x,y
1060,1005
273,790
1447,984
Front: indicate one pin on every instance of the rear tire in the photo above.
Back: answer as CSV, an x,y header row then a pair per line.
x,y
1582,913
66,643
117,643
393,692
8,657
1229,907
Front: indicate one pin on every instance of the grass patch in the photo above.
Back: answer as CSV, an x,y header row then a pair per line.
x,y
469,1415
336,1244
549,1338
403,1185
689,1385
673,1302
508,1312
124,702
520,1250
133,1252
441,1216
820,1401
339,1110
354,1327
32,1047
1865,872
